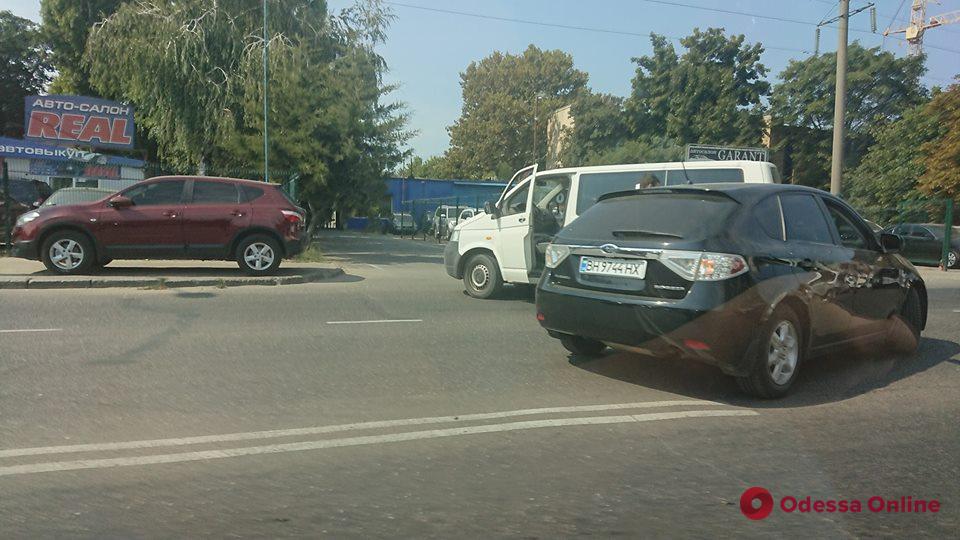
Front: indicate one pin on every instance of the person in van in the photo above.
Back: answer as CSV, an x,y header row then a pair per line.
x,y
648,181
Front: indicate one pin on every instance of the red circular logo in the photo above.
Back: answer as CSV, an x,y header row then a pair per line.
x,y
752,509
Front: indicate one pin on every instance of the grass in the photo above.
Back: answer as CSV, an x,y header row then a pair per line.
x,y
311,254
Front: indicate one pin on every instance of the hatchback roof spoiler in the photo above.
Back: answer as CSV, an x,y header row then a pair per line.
x,y
655,190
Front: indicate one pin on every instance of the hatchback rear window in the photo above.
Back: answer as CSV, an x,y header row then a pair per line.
x,y
653,216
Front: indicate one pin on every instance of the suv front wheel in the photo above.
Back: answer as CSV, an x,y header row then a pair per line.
x,y
67,253
258,255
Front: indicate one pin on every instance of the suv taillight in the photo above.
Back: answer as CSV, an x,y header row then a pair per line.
x,y
292,217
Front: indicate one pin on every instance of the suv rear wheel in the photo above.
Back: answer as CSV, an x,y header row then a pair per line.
x,y
67,253
258,255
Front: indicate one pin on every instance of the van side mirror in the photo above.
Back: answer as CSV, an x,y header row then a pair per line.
x,y
891,243
491,209
120,201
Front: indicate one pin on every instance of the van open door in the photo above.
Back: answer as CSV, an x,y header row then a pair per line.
x,y
514,227
517,177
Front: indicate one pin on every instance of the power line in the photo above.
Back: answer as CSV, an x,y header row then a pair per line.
x,y
556,25
636,34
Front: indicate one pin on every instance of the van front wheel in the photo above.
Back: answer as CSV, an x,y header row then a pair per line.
x,y
481,276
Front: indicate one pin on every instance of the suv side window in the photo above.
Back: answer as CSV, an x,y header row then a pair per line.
x,y
516,203
157,193
850,235
215,193
251,193
767,213
804,220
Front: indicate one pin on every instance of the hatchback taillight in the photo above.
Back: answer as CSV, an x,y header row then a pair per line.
x,y
703,266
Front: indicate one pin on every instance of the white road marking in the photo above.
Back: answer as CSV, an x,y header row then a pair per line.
x,y
34,468
375,266
271,434
24,330
376,321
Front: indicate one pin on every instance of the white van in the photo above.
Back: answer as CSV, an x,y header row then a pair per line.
x,y
506,243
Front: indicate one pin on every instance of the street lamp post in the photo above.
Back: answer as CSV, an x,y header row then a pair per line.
x,y
266,98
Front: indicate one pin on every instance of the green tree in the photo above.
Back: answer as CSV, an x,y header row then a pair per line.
x,y
433,167
506,101
883,186
880,88
66,26
198,90
710,94
599,126
941,158
25,68
646,149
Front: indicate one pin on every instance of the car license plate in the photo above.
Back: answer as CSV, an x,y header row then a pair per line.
x,y
628,268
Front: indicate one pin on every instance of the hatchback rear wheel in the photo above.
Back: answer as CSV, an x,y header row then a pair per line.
x,y
258,255
67,253
780,353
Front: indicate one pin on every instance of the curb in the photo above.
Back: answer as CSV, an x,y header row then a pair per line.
x,y
166,283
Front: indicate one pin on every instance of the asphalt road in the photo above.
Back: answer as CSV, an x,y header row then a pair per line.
x,y
285,411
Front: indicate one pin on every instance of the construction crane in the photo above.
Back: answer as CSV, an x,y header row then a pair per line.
x,y
920,24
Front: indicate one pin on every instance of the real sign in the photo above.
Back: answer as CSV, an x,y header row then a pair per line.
x,y
725,153
79,120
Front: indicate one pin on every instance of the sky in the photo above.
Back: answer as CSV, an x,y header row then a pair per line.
x,y
427,49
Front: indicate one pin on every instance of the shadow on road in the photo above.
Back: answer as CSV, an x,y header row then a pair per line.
x,y
826,379
377,249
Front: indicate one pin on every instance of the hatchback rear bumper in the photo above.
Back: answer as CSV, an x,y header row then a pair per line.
x,y
694,327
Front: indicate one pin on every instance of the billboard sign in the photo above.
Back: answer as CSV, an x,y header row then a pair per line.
x,y
21,149
78,120
725,153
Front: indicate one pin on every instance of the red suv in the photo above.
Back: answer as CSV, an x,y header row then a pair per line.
x,y
168,217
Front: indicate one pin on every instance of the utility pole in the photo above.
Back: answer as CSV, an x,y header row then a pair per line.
x,y
266,98
840,100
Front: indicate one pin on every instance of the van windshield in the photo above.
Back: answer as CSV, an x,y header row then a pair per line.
x,y
652,216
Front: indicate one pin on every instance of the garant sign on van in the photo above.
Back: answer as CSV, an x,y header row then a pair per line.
x,y
725,153
78,120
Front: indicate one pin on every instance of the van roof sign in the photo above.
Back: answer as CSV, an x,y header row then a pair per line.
x,y
725,153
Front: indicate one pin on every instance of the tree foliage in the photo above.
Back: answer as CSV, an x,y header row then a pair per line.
x,y
599,126
880,88
25,69
193,70
710,94
506,99
941,157
884,185
65,28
